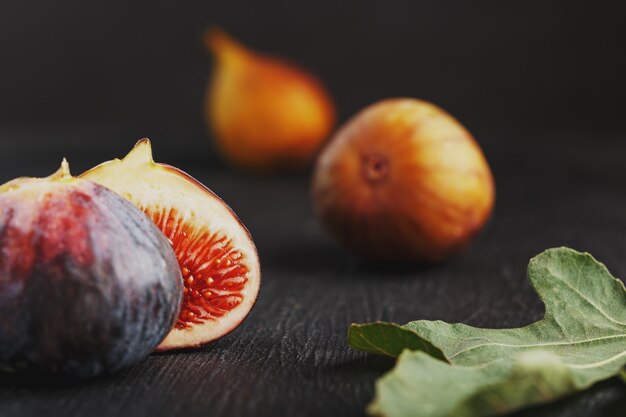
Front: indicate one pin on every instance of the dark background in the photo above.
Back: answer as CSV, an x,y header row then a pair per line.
x,y
141,64
540,84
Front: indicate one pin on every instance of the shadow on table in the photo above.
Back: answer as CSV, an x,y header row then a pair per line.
x,y
47,382
367,365
606,399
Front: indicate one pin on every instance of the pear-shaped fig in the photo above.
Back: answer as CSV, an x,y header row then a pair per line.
x,y
265,113
218,260
88,284
403,181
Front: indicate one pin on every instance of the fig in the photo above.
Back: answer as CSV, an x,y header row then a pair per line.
x,y
216,254
88,284
265,113
403,181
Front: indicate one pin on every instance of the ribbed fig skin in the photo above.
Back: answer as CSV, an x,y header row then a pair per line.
x,y
403,181
88,284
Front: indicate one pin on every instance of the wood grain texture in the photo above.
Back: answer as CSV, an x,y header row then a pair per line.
x,y
290,357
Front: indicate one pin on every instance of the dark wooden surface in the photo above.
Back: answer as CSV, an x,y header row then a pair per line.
x,y
290,357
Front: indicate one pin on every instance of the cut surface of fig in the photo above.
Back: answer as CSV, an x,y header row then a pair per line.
x,y
88,284
217,257
213,275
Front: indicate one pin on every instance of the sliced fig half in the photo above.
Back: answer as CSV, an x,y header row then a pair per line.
x,y
216,254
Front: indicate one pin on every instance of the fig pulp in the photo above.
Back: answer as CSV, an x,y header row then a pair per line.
x,y
218,260
265,113
88,284
403,181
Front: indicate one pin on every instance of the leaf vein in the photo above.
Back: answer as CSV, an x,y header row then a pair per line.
x,y
539,345
599,363
591,303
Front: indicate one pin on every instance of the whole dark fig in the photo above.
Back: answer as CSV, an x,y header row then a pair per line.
x,y
88,284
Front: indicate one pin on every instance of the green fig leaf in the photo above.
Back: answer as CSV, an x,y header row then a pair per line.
x,y
420,385
389,339
582,338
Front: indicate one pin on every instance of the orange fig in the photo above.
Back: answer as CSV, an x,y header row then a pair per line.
x,y
403,181
265,113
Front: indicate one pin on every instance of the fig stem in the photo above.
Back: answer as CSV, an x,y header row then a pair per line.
x,y
63,171
222,44
141,153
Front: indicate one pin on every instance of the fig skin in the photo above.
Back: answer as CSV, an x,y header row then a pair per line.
x,y
266,114
88,284
403,181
